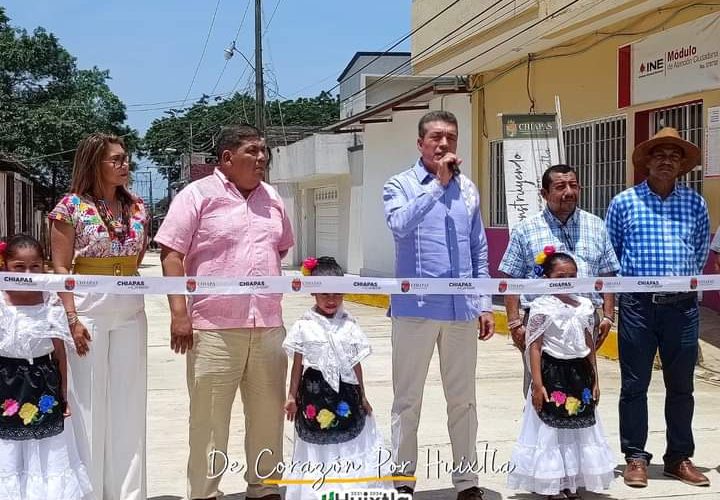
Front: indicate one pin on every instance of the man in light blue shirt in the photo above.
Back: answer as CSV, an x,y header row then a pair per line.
x,y
433,212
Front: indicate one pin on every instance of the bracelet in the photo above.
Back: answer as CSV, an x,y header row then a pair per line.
x,y
72,318
514,324
611,320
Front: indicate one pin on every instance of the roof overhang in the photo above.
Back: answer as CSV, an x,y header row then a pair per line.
x,y
417,98
529,30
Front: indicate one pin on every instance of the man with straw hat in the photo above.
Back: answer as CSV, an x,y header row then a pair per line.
x,y
659,228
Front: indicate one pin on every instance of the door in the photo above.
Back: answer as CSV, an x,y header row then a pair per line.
x,y
327,216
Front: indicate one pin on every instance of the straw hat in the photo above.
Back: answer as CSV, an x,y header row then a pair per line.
x,y
667,136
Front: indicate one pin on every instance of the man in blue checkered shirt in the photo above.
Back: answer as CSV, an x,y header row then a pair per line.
x,y
569,229
659,228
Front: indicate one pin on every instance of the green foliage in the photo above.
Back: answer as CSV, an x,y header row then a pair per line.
x,y
195,127
47,104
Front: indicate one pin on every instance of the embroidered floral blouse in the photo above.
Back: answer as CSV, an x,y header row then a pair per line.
x,y
331,345
92,238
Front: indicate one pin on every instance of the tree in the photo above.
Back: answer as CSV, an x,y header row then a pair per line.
x,y
194,128
47,104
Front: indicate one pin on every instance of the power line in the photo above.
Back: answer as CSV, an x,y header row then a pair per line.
x,y
477,56
402,39
431,47
267,25
237,35
202,55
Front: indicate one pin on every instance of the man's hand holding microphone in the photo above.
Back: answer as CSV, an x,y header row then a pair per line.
x,y
447,167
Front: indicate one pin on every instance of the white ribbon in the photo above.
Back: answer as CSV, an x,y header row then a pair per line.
x,y
211,285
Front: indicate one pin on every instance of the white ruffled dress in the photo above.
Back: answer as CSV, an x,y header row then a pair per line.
x,y
334,346
546,459
49,468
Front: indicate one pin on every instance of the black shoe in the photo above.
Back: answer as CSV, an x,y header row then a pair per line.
x,y
405,490
473,493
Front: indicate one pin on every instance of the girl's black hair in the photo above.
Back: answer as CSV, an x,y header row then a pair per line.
x,y
550,262
14,243
327,266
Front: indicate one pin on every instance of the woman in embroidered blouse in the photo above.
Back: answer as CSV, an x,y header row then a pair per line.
x,y
99,229
562,446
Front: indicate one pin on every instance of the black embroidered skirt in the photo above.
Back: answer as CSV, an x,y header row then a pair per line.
x,y
30,399
325,416
569,384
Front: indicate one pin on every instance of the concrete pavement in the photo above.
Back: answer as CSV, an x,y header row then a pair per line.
x,y
500,404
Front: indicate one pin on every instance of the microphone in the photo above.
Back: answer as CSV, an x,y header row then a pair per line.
x,y
454,167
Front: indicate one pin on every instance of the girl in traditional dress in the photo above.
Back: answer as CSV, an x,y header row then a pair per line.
x,y
326,399
562,446
38,452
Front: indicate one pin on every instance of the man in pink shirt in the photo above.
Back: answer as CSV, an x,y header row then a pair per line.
x,y
230,224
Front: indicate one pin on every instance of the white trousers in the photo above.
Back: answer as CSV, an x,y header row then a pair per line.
x,y
413,344
107,393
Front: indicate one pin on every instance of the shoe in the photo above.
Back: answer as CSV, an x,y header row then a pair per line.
x,y
271,496
635,474
473,493
405,490
686,472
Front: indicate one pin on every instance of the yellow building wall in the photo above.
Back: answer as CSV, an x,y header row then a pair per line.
x,y
586,83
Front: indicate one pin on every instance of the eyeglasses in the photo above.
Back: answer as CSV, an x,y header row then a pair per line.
x,y
119,161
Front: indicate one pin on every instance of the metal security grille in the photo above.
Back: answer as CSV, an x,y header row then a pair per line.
x,y
688,120
498,209
597,149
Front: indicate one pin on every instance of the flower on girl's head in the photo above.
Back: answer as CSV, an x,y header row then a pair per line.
x,y
541,257
308,265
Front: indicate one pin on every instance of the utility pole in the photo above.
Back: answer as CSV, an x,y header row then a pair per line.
x,y
259,84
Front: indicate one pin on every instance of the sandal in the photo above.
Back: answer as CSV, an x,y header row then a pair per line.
x,y
572,496
557,496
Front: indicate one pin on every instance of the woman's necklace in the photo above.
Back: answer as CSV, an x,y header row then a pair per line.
x,y
115,225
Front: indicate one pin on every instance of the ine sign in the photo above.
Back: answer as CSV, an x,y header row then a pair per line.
x,y
530,146
677,61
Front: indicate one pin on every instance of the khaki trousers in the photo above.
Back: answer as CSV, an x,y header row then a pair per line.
x,y
220,362
413,343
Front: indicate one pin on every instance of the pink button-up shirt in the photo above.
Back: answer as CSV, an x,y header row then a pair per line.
x,y
223,234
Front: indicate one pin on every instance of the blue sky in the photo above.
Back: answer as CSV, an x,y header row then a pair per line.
x,y
152,47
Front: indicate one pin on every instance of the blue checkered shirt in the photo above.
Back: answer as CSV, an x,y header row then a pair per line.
x,y
583,236
656,237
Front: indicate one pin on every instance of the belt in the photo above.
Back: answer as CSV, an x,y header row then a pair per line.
x,y
672,298
107,266
22,361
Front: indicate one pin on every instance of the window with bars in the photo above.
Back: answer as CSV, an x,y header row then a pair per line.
x,y
688,120
597,149
498,208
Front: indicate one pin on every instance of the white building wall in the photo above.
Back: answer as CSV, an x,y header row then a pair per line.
x,y
391,148
355,236
290,196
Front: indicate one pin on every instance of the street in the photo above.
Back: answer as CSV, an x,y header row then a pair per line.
x,y
499,380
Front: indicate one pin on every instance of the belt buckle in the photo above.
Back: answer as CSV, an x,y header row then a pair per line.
x,y
657,298
117,269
